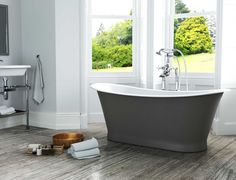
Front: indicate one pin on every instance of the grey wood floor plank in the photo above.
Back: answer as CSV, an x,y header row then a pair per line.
x,y
117,161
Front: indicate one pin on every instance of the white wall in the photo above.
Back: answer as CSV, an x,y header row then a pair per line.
x,y
226,119
67,56
51,29
14,12
67,63
15,57
38,37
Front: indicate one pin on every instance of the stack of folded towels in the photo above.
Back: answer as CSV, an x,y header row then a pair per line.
x,y
4,110
84,150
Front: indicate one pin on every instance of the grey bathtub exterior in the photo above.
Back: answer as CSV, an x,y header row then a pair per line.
x,y
171,123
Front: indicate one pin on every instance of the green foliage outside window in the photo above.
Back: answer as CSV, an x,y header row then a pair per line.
x,y
114,46
117,56
193,37
180,7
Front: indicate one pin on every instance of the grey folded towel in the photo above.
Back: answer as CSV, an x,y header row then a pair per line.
x,y
88,144
90,153
84,150
38,94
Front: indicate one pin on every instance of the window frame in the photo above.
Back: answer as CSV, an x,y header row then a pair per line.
x,y
169,37
135,41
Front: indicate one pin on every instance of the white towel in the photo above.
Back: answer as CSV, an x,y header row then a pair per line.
x,y
38,94
3,107
90,153
7,111
69,151
81,146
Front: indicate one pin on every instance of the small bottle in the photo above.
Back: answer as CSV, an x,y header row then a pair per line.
x,y
34,151
39,152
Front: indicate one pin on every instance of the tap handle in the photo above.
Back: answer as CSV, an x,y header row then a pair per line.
x,y
160,51
160,68
5,80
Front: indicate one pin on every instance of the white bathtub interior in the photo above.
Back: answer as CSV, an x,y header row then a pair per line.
x,y
143,92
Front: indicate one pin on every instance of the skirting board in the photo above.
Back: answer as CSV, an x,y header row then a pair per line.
x,y
52,120
224,128
55,121
11,121
96,118
68,121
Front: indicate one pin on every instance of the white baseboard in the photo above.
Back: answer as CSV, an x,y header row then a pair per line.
x,y
68,121
42,119
224,128
84,121
96,118
55,121
11,121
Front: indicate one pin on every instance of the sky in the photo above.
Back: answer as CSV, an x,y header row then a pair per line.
x,y
199,5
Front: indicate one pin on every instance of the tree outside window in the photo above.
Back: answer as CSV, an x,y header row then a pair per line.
x,y
194,35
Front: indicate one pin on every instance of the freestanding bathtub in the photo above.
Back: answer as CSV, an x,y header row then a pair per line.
x,y
171,120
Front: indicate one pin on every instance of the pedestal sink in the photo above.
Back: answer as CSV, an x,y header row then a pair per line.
x,y
13,70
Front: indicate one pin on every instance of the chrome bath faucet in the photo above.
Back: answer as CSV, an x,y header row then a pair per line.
x,y
167,68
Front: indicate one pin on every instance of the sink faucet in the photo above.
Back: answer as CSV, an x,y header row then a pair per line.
x,y
5,86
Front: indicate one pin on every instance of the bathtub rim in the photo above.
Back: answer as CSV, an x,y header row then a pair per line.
x,y
163,94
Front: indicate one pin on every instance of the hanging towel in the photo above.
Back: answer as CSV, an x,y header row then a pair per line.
x,y
38,94
7,111
81,146
90,153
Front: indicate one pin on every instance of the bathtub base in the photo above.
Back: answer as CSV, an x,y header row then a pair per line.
x,y
179,123
190,148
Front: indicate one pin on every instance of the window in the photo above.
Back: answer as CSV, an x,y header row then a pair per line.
x,y
195,33
112,36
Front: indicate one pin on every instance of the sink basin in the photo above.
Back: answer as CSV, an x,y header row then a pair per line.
x,y
13,70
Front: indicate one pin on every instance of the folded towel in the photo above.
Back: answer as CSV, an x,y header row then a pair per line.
x,y
7,111
38,94
3,107
81,146
69,151
90,153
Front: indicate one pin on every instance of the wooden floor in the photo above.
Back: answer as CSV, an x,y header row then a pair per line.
x,y
117,161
